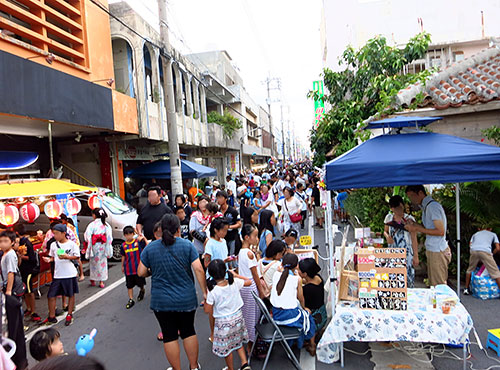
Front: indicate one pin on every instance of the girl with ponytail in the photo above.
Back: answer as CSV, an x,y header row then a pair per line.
x,y
224,303
247,267
171,261
287,299
99,238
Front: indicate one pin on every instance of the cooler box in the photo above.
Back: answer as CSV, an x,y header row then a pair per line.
x,y
483,286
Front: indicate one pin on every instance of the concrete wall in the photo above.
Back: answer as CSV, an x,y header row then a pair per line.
x,y
468,125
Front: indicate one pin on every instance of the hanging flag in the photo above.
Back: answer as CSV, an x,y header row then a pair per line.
x,y
319,104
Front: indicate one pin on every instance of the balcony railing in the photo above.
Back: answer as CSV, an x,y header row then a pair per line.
x,y
53,26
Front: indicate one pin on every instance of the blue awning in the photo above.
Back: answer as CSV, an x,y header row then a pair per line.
x,y
410,159
161,170
10,161
402,121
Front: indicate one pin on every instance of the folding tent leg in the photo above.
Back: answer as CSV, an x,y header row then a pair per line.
x,y
341,354
457,199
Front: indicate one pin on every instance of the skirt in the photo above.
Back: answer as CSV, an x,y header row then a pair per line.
x,y
250,310
230,333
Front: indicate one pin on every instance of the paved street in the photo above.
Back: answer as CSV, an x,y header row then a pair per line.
x,y
127,338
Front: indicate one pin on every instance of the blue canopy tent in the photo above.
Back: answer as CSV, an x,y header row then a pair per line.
x,y
402,121
160,169
415,158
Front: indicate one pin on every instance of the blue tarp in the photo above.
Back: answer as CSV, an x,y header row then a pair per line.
x,y
402,121
409,159
161,170
10,160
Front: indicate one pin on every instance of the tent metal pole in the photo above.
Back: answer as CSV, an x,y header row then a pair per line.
x,y
457,199
331,249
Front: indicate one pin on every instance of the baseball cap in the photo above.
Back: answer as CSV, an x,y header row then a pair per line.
x,y
61,228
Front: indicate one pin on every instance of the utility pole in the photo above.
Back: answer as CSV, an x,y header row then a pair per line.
x,y
173,141
268,83
283,136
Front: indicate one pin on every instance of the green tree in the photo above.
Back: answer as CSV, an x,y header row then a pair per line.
x,y
367,86
492,133
229,123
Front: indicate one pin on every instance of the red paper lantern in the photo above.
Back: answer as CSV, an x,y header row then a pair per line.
x,y
73,206
30,212
94,201
9,215
53,209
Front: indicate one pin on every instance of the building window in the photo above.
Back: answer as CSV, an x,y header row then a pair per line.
x,y
52,26
458,56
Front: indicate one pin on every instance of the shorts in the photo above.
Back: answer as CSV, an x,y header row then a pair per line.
x,y
134,280
437,266
174,324
319,212
487,260
28,282
67,287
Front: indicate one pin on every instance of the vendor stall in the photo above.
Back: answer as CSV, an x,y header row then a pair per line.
x,y
26,200
422,158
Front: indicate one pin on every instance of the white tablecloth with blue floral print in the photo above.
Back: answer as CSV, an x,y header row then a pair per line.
x,y
413,325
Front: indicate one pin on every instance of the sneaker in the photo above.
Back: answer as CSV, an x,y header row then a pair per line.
x,y
466,291
245,367
49,320
197,368
140,297
35,317
65,309
27,313
69,320
130,304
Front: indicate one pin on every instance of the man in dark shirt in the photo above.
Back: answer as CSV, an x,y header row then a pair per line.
x,y
233,219
151,213
29,269
319,212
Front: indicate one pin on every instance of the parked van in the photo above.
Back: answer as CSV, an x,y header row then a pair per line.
x,y
120,214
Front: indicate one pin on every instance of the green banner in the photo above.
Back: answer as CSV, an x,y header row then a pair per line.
x,y
319,105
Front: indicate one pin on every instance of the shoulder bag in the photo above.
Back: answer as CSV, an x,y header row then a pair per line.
x,y
296,217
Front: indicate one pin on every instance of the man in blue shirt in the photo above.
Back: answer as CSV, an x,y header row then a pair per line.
x,y
434,227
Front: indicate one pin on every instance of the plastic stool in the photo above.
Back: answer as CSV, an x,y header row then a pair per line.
x,y
493,340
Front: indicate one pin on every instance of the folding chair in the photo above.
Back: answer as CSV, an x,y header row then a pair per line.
x,y
271,333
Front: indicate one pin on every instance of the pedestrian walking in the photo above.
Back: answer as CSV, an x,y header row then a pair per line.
x,y
232,217
65,254
99,238
151,213
12,288
199,220
171,261
302,197
267,224
434,227
131,254
291,209
224,303
181,202
319,212
247,267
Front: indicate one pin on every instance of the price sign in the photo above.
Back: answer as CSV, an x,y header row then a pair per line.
x,y
305,240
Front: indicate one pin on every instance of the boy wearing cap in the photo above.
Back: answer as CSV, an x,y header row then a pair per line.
x,y
64,253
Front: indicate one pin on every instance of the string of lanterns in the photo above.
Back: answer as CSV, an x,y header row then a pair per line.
x,y
29,211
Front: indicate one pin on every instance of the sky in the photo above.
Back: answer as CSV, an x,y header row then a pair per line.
x,y
278,38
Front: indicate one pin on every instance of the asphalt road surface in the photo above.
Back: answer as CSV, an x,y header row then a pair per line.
x,y
126,339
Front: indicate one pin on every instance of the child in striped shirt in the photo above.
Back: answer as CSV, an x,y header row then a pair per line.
x,y
131,256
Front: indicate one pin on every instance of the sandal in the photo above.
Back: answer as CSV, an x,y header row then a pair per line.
x,y
130,304
159,337
92,283
101,285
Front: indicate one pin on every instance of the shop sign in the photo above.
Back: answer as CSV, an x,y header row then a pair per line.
x,y
233,162
135,153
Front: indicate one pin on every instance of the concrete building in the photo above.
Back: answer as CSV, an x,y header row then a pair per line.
x,y
448,21
57,90
227,93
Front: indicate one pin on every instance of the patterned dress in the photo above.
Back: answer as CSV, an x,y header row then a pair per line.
x,y
402,239
99,238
